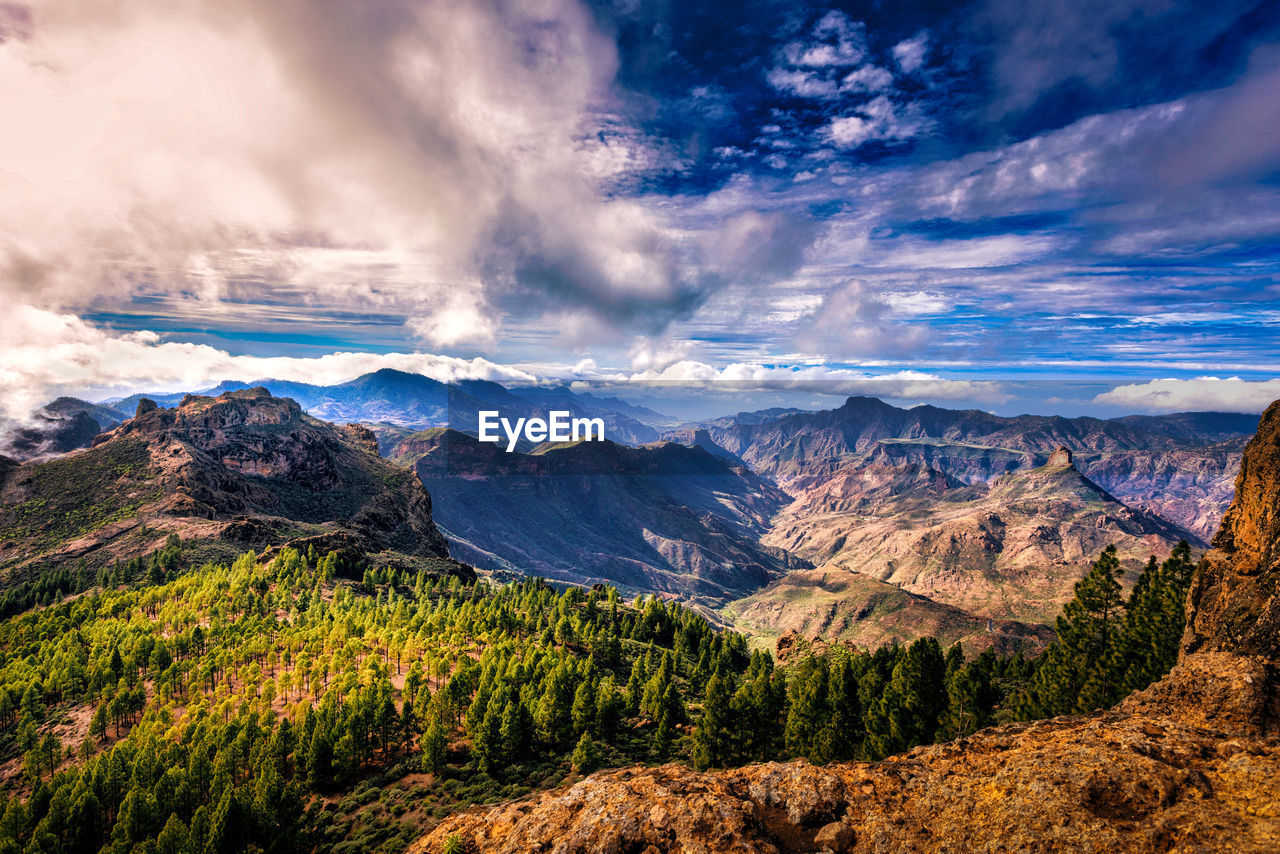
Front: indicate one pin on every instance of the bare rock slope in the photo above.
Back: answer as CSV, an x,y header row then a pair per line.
x,y
659,517
1190,764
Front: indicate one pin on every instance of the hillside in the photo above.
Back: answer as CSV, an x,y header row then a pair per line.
x,y
59,426
834,604
242,470
1010,549
663,517
1189,764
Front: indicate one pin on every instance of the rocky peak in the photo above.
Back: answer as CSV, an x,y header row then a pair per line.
x,y
245,468
1060,457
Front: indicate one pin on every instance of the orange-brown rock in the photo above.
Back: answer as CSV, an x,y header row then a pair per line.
x,y
1191,764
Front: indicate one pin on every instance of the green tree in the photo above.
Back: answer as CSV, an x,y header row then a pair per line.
x,y
585,757
1081,655
712,739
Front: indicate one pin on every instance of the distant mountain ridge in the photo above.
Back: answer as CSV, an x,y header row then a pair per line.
x,y
401,399
972,446
1010,549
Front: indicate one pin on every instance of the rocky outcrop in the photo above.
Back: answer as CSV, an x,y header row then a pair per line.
x,y
242,470
1191,764
1181,466
1234,598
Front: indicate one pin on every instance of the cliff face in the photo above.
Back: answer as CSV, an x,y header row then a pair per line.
x,y
242,470
1233,599
1190,764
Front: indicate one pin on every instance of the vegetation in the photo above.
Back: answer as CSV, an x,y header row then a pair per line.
x,y
311,704
70,496
1108,647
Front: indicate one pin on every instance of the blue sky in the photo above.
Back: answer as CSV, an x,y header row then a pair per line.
x,y
1042,206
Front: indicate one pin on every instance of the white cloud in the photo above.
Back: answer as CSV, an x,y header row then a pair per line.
x,y
853,320
868,78
836,40
997,251
163,145
465,319
1229,394
44,354
910,53
821,379
648,354
806,84
878,119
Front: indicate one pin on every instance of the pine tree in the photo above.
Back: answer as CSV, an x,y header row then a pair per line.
x,y
433,747
585,757
712,738
1080,656
808,706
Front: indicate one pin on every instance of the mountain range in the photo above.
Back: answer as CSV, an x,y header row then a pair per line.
x,y
661,517
863,523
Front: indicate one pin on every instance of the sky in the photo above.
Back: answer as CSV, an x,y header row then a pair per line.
x,y
1041,206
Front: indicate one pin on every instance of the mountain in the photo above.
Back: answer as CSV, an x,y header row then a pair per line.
x,y
661,517
1012,548
1191,763
59,426
562,397
832,604
392,399
242,470
1180,466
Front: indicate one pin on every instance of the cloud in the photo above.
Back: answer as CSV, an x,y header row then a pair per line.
x,y
648,354
821,379
1229,394
756,247
854,321
813,67
806,84
910,53
878,119
162,146
836,40
44,354
868,78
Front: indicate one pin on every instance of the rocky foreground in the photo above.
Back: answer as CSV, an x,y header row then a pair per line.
x,y
1190,764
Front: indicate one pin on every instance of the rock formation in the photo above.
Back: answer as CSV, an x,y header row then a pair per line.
x,y
1190,764
1010,549
242,470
